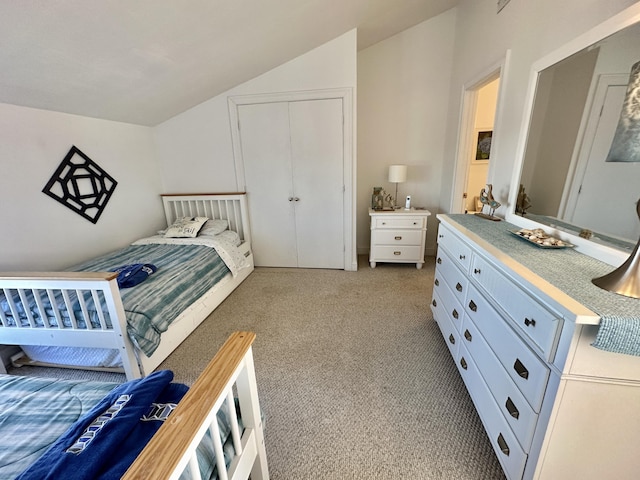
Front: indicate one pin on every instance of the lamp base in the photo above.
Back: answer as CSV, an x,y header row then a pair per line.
x,y
625,280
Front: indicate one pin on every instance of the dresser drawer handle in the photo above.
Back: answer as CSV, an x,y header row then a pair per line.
x,y
521,369
440,236
512,409
467,335
455,314
503,445
397,253
452,339
462,257
434,303
529,323
384,223
463,363
439,261
476,271
398,237
436,282
458,287
415,223
473,306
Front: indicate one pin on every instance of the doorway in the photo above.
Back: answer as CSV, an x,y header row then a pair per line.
x,y
479,123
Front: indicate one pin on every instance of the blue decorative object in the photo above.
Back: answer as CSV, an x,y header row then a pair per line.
x,y
81,185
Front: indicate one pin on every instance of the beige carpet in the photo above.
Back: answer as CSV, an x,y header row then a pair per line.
x,y
354,377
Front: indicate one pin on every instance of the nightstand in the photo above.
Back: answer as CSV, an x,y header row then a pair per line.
x,y
398,236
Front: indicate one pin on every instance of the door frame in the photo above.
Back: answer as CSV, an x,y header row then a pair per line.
x,y
349,164
466,128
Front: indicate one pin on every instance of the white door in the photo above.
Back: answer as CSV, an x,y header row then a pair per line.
x,y
607,195
293,165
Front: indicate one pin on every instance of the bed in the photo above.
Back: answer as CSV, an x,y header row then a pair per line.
x,y
219,414
85,310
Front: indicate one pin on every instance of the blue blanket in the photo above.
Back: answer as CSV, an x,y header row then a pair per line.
x,y
104,443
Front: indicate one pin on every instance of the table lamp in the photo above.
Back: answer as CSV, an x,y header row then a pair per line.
x,y
397,174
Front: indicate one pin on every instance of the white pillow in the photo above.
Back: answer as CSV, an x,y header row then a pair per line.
x,y
214,227
185,227
231,237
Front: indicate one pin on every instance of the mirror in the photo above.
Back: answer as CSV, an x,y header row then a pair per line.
x,y
576,101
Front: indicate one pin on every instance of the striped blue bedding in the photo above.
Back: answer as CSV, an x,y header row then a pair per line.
x,y
184,273
44,425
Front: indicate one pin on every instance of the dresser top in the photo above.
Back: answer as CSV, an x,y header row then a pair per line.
x,y
565,269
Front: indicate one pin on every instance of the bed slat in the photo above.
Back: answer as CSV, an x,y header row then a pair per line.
x,y
56,311
233,420
214,430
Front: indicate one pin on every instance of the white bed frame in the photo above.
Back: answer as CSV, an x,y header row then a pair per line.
x,y
172,449
102,286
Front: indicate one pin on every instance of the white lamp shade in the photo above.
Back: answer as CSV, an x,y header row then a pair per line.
x,y
397,173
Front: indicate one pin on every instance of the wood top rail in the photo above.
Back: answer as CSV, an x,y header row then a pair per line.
x,y
201,194
58,275
162,454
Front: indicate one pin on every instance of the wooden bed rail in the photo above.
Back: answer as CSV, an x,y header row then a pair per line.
x,y
170,450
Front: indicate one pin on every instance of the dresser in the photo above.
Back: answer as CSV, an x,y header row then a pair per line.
x,y
398,236
553,406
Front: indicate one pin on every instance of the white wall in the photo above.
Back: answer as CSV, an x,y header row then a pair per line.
x,y
531,30
403,91
38,233
195,149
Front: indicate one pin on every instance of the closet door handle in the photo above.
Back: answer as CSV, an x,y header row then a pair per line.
x,y
503,445
512,409
520,369
473,306
291,199
296,199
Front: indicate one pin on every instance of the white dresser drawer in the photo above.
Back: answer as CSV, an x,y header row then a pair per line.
x,y
459,251
399,221
535,321
511,402
397,237
449,332
526,369
508,450
396,253
448,272
451,308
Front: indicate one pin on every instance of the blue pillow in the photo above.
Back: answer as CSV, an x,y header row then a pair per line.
x,y
131,275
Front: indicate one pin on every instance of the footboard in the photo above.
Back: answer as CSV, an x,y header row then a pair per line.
x,y
172,450
65,309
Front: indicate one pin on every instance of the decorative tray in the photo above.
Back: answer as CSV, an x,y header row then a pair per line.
x,y
540,238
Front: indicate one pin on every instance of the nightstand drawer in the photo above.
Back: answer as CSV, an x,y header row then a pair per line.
x,y
396,253
396,237
399,222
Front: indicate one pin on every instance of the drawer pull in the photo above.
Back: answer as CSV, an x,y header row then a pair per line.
x,y
455,314
452,339
512,409
436,282
398,237
521,369
503,445
384,223
440,236
473,306
462,257
434,303
439,261
528,322
458,287
463,363
467,335
397,253
476,271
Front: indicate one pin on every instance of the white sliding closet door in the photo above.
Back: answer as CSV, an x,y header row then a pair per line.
x,y
293,164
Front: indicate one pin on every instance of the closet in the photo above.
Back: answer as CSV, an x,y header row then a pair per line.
x,y
292,155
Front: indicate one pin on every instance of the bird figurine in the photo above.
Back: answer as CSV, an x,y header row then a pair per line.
x,y
486,198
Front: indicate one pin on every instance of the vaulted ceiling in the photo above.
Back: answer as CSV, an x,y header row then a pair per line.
x,y
144,61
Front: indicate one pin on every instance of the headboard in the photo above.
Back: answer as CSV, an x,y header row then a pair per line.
x,y
227,206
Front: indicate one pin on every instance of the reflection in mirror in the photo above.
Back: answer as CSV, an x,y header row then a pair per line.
x,y
565,173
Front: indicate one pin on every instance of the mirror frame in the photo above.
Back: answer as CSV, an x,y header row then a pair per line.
x,y
626,18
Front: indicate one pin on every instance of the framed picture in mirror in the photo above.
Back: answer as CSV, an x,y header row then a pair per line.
x,y
483,144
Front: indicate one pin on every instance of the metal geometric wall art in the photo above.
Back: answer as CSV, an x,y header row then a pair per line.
x,y
80,184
